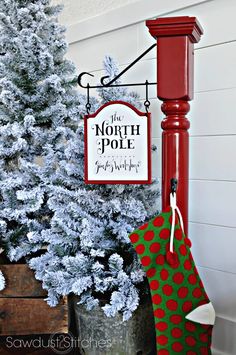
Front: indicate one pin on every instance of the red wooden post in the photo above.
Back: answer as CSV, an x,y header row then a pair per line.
x,y
175,44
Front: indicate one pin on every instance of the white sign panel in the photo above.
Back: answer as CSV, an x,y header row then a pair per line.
x,y
117,145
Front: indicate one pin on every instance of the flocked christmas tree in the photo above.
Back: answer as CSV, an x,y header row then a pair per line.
x,y
83,229
37,102
89,252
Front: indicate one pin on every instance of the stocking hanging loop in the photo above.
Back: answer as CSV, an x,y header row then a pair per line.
x,y
174,208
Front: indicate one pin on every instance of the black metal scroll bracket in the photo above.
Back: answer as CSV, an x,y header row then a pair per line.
x,y
110,83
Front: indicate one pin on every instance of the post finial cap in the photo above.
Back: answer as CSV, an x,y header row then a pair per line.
x,y
176,26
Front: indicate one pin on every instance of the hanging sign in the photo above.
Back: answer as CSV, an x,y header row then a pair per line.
x,y
117,145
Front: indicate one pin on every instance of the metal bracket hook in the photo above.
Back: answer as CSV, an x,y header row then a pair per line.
x,y
80,79
173,185
102,80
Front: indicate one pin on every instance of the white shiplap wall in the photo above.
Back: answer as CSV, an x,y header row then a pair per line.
x,y
87,8
122,33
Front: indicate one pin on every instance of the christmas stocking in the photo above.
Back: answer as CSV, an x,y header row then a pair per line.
x,y
184,316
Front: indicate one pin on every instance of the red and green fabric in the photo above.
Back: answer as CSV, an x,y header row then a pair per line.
x,y
183,314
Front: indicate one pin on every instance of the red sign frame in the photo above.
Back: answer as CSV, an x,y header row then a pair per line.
x,y
123,182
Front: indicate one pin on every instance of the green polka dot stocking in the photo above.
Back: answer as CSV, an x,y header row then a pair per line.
x,y
183,314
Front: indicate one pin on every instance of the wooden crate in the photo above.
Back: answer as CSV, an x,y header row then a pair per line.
x,y
22,306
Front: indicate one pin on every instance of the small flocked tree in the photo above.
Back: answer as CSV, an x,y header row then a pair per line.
x,y
38,105
89,252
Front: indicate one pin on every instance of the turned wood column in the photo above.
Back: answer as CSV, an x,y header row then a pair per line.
x,y
175,56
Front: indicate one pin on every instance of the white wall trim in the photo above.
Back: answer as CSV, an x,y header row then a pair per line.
x,y
125,16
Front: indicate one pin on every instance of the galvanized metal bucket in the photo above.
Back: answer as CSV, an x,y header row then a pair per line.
x,y
98,334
